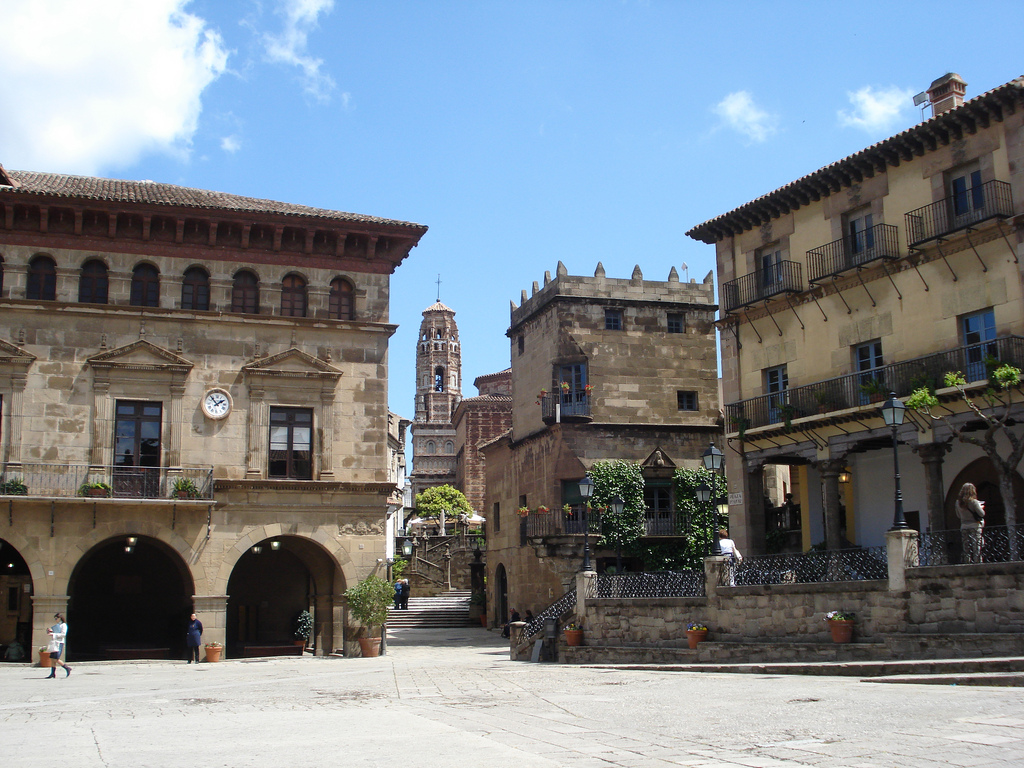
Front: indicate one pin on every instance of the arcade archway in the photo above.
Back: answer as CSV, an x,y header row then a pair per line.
x,y
983,475
270,585
129,598
16,594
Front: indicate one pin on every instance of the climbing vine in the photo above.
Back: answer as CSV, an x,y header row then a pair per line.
x,y
619,478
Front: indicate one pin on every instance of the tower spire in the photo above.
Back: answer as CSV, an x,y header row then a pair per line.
x,y
438,286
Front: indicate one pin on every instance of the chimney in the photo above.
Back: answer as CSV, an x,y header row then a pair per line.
x,y
946,93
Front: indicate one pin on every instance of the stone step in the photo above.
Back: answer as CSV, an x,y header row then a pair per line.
x,y
450,610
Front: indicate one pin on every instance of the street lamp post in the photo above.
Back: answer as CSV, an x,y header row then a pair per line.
x,y
616,504
713,459
893,411
586,491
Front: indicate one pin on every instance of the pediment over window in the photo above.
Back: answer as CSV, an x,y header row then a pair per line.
x,y
141,355
292,363
12,355
658,460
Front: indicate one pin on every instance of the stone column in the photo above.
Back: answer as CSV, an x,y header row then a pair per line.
x,y
102,418
326,430
18,381
259,435
750,537
323,627
830,470
212,610
901,551
716,574
43,608
932,456
174,425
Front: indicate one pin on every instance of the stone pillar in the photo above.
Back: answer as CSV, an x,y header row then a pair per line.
x,y
259,434
14,422
323,626
751,536
326,430
102,418
932,456
348,635
212,610
585,585
716,574
901,551
43,608
830,471
174,424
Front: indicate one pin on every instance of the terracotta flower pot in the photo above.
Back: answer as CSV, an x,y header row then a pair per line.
x,y
213,654
44,659
842,631
574,637
695,636
369,646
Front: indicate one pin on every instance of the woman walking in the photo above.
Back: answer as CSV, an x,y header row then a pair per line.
x,y
57,634
194,638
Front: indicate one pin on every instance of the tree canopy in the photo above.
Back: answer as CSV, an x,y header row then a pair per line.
x,y
442,498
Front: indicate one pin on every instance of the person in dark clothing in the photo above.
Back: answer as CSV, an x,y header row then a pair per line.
x,y
194,638
507,629
405,594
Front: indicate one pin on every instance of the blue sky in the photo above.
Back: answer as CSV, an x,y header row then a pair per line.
x,y
522,133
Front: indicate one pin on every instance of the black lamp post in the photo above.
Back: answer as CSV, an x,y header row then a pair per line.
x,y
713,459
893,411
616,504
586,491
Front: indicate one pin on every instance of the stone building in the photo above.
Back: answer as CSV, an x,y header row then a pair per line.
x,y
477,421
438,392
193,390
877,273
602,369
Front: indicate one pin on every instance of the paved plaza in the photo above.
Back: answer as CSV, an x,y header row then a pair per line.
x,y
448,699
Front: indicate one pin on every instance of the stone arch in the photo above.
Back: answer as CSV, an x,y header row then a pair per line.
x,y
983,475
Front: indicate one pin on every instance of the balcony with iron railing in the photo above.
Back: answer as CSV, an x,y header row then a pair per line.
x,y
782,277
865,387
31,479
853,252
566,406
558,522
991,200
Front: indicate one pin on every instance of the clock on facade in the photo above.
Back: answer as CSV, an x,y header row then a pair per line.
x,y
217,404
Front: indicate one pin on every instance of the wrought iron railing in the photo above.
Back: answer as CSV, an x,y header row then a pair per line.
x,y
558,522
558,610
65,480
570,405
853,389
782,277
664,524
814,567
995,544
990,200
878,242
689,583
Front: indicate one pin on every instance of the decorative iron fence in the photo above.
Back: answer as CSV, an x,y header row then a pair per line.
x,y
852,390
67,480
995,544
558,522
814,567
783,277
557,611
966,209
878,242
689,583
574,404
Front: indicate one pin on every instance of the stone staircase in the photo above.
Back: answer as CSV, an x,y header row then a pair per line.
x,y
448,610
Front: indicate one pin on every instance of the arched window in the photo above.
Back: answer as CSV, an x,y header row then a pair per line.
x,y
431,448
145,286
293,296
92,283
439,379
449,447
245,293
342,300
42,279
195,289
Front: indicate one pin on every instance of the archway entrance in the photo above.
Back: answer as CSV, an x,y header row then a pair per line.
x,y
983,475
16,594
270,585
129,598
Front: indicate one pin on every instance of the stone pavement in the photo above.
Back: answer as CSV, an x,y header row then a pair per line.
x,y
451,698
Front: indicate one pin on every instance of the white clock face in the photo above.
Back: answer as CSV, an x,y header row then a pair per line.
x,y
217,404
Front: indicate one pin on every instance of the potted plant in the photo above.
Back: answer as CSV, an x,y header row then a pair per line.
x,y
542,510
824,400
303,628
185,488
565,386
874,389
369,602
14,487
44,657
696,632
540,397
742,423
840,624
97,489
524,511
213,651
788,411
573,633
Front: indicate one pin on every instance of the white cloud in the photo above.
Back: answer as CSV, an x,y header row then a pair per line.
x,y
92,85
876,110
739,112
230,144
289,46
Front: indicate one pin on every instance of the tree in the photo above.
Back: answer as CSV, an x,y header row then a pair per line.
x,y
442,498
700,516
992,407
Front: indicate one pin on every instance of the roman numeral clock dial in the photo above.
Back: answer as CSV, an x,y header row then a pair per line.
x,y
217,404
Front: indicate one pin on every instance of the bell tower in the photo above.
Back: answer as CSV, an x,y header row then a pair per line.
x,y
438,392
